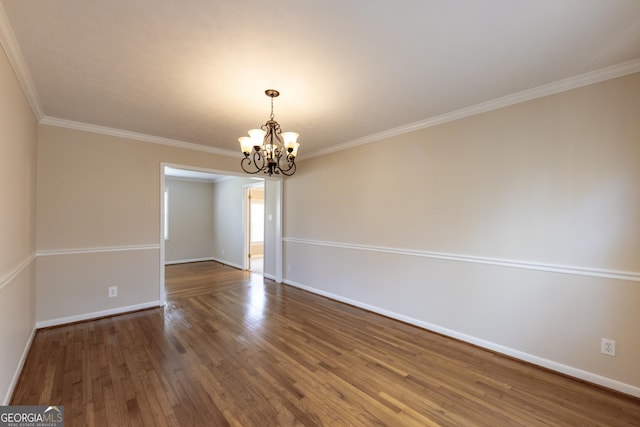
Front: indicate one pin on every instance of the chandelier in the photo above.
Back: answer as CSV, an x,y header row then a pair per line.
x,y
268,149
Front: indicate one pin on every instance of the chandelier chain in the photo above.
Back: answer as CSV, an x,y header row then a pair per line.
x,y
271,117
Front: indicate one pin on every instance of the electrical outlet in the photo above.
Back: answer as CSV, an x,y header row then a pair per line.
x,y
608,347
113,291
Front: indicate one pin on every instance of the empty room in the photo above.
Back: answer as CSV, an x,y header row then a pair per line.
x,y
320,213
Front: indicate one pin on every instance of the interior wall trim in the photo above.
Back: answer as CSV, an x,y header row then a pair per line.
x,y
186,261
8,278
226,262
16,375
529,358
10,45
607,73
551,268
76,251
97,314
103,130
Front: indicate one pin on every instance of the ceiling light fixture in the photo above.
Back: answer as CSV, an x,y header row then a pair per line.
x,y
265,148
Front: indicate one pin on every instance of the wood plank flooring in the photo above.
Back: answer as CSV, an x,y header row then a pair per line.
x,y
233,349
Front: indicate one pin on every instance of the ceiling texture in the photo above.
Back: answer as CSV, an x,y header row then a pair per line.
x,y
348,71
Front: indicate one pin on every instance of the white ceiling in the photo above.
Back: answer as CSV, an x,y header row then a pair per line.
x,y
192,174
196,70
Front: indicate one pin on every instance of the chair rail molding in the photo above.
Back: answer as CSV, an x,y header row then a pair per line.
x,y
7,278
633,276
95,250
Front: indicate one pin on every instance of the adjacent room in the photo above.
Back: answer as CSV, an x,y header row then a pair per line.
x,y
321,213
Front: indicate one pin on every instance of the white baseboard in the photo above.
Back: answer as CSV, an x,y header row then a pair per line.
x,y
16,375
230,264
185,261
221,261
536,360
269,276
96,314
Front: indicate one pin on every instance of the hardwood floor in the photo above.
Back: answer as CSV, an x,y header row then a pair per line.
x,y
233,349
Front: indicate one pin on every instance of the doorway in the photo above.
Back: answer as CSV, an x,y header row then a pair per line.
x,y
232,253
254,227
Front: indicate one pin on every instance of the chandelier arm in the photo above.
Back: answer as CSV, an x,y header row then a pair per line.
x,y
245,163
289,171
291,162
257,160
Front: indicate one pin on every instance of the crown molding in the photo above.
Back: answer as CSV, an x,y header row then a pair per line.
x,y
564,85
86,127
10,46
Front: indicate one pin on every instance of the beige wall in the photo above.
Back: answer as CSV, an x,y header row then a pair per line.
x,y
190,221
506,229
98,206
18,141
228,220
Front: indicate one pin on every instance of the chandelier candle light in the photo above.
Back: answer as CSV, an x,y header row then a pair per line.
x,y
265,148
